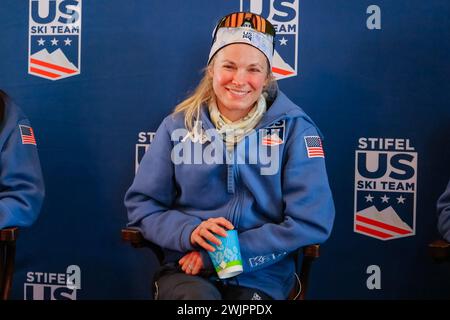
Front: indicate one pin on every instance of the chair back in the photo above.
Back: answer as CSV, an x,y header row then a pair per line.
x,y
8,238
439,250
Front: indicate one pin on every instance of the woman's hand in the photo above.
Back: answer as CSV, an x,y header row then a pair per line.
x,y
191,263
207,230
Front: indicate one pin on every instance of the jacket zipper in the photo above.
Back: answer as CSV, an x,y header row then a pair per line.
x,y
238,194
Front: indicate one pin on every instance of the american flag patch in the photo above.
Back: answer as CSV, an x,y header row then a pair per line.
x,y
27,135
314,147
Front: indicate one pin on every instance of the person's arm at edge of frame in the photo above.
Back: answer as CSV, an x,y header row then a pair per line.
x,y
22,188
443,208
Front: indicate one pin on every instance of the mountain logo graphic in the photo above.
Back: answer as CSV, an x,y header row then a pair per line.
x,y
280,68
383,225
51,66
273,135
271,140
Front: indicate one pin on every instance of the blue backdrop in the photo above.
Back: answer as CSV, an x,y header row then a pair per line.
x,y
359,71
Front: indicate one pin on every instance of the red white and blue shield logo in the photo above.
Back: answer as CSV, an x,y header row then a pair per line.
x,y
385,193
54,38
273,135
284,17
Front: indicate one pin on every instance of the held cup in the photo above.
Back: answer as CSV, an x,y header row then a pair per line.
x,y
226,258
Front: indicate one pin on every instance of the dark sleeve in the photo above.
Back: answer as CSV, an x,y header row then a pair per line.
x,y
443,207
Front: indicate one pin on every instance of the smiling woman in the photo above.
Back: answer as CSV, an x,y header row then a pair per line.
x,y
239,73
226,133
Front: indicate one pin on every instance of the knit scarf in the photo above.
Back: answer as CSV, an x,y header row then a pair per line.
x,y
234,131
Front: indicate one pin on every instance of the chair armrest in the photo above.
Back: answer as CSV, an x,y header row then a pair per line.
x,y
439,250
137,240
9,234
312,251
133,236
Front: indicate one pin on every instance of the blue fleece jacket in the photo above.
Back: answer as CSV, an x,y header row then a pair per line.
x,y
443,207
274,213
21,181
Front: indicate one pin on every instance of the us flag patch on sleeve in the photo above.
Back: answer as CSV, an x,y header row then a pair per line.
x,y
27,135
314,147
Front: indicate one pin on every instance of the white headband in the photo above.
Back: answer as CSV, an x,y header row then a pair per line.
x,y
259,40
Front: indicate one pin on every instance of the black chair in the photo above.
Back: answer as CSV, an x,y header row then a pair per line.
x,y
439,250
8,238
310,253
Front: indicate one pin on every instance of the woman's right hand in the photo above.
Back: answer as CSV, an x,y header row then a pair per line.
x,y
206,231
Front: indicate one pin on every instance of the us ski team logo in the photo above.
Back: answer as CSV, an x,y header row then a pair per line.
x,y
273,135
385,188
283,14
144,141
54,38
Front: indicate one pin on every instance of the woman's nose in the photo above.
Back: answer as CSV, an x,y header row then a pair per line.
x,y
239,77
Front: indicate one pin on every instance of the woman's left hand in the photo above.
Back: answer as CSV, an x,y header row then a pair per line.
x,y
191,263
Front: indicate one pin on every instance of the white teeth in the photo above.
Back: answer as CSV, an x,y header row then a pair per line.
x,y
237,92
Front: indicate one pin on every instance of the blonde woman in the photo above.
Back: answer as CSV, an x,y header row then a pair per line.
x,y
237,154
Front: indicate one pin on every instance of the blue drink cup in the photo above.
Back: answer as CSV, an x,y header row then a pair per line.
x,y
227,257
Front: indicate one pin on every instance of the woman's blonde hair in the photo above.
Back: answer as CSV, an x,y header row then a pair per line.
x,y
204,94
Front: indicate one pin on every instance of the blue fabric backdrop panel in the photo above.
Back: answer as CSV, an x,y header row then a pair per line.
x,y
135,61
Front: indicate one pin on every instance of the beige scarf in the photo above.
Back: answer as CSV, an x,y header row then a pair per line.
x,y
233,132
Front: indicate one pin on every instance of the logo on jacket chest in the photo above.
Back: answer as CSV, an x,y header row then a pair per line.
x,y
273,135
